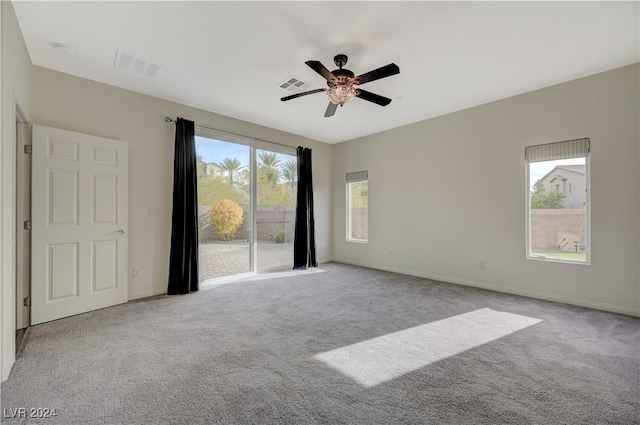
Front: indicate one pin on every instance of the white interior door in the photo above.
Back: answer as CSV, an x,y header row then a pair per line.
x,y
79,223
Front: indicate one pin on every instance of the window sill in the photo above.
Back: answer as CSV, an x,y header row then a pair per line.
x,y
557,260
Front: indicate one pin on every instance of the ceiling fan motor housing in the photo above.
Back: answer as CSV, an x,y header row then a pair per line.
x,y
342,77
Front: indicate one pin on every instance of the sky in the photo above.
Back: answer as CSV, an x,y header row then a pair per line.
x,y
215,151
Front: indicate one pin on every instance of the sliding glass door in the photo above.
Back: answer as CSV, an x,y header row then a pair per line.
x,y
275,209
224,230
246,204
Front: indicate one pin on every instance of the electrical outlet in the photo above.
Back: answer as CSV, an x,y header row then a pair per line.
x,y
153,212
135,272
483,265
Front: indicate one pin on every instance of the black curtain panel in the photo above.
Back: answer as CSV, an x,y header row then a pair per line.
x,y
304,244
183,260
311,227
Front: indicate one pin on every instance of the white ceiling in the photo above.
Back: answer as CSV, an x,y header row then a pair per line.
x,y
229,57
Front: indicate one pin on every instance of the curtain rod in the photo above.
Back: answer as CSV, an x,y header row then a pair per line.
x,y
168,119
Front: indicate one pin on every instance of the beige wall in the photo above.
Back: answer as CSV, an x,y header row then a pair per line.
x,y
448,193
16,89
84,106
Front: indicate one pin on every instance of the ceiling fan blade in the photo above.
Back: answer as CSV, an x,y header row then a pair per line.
x,y
372,97
376,74
293,96
320,69
331,109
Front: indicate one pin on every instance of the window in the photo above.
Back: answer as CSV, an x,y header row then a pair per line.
x,y
358,206
558,226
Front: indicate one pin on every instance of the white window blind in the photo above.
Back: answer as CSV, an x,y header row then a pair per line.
x,y
560,150
358,176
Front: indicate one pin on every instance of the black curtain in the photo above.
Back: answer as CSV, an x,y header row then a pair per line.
x,y
304,244
183,260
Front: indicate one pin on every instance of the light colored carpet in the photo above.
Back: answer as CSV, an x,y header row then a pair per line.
x,y
346,346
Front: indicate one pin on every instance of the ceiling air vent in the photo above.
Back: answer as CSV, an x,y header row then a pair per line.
x,y
294,85
133,63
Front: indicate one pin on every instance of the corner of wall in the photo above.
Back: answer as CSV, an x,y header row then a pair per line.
x,y
15,78
2,357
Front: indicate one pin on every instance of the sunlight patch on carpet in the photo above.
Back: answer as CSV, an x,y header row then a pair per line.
x,y
390,356
251,276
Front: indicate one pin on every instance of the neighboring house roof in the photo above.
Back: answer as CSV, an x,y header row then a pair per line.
x,y
579,169
210,165
575,168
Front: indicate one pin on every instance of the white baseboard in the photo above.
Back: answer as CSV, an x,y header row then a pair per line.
x,y
6,369
147,294
613,308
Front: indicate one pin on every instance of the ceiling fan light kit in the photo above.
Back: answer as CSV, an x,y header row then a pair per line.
x,y
342,84
341,94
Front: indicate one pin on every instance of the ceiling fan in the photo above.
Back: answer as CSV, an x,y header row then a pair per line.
x,y
342,84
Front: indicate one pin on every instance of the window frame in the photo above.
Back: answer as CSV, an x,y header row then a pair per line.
x,y
349,182
587,243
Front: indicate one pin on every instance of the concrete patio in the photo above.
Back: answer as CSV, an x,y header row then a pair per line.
x,y
225,258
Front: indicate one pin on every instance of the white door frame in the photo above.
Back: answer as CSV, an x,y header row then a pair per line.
x,y
8,231
23,213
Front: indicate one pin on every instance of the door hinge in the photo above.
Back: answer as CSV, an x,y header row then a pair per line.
x,y
28,149
27,225
27,301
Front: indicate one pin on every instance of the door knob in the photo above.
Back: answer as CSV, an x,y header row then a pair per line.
x,y
121,231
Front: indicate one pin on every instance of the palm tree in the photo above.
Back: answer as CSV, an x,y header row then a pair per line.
x,y
269,159
290,172
268,163
230,165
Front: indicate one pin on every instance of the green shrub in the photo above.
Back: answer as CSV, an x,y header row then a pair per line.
x,y
226,217
279,237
